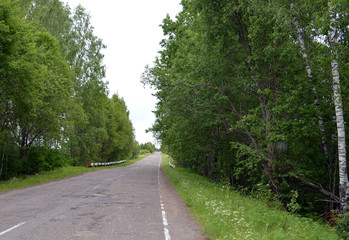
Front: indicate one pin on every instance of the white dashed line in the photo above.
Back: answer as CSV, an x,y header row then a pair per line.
x,y
164,219
10,229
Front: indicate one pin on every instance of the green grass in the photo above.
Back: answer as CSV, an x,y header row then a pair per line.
x,y
226,214
58,173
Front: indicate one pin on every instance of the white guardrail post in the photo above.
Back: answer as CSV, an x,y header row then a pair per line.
x,y
173,166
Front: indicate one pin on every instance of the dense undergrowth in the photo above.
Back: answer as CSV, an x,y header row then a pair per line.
x,y
227,214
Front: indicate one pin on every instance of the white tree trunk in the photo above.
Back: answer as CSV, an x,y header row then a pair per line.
x,y
337,98
310,76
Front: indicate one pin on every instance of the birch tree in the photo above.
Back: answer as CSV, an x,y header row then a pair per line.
x,y
304,54
333,39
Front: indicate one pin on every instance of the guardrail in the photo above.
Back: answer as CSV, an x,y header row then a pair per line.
x,y
99,164
173,166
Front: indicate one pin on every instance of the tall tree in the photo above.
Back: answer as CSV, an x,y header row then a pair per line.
x,y
86,60
36,84
54,100
333,40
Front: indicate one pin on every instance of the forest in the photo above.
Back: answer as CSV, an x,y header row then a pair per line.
x,y
254,94
54,103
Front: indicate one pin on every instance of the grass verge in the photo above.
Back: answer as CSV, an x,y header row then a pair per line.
x,y
58,173
226,214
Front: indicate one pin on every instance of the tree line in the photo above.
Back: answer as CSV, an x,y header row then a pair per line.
x,y
54,104
146,148
254,93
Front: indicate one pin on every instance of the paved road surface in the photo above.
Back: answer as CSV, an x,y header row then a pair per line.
x,y
134,202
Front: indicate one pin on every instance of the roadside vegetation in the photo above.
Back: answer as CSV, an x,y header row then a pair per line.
x,y
255,94
224,213
59,173
55,107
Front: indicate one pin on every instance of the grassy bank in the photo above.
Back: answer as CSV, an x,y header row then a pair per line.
x,y
226,214
58,173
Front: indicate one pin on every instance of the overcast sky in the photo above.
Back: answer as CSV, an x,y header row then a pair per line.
x,y
131,31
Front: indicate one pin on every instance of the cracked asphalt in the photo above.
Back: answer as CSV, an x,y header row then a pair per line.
x,y
117,203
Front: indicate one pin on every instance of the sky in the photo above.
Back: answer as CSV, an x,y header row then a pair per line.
x,y
131,31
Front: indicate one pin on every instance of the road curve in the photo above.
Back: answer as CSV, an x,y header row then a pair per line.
x,y
134,202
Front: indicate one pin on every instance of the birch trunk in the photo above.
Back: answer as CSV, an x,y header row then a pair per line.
x,y
342,161
310,76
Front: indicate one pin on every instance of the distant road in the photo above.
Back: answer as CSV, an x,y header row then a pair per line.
x,y
134,202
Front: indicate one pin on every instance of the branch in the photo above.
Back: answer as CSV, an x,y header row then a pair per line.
x,y
208,85
326,200
317,188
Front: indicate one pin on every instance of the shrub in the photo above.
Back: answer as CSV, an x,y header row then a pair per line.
x,y
144,151
40,159
343,226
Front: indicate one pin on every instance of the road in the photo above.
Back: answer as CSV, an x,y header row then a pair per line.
x,y
134,202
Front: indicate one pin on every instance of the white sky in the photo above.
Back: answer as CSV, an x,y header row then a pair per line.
x,y
131,31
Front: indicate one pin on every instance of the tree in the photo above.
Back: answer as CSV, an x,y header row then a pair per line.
x,y
120,142
36,84
54,101
53,16
333,40
90,92
148,146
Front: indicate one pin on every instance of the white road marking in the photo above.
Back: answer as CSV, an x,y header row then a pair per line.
x,y
167,234
10,229
164,219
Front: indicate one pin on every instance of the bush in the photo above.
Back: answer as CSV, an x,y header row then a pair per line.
x,y
40,159
144,151
343,226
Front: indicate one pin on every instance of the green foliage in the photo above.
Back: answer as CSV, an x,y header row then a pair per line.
x,y
39,159
293,206
136,150
36,160
55,108
36,85
147,147
144,151
343,226
235,101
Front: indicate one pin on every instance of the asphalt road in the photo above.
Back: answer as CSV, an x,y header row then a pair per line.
x,y
134,202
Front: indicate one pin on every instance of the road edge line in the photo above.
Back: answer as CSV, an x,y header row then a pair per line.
x,y
12,228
